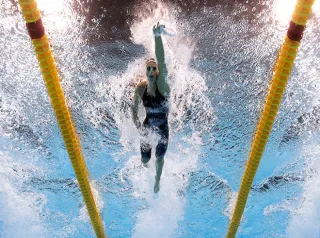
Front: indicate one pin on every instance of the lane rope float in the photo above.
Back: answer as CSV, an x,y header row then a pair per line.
x,y
50,75
279,81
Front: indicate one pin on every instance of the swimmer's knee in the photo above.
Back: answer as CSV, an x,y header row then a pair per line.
x,y
160,153
161,150
145,159
160,158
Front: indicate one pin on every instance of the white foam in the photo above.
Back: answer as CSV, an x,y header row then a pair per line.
x,y
18,211
163,211
305,221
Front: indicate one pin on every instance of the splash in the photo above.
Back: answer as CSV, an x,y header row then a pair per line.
x,y
305,221
190,116
162,212
17,212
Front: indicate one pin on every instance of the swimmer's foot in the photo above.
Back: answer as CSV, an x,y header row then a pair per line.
x,y
159,166
145,165
156,187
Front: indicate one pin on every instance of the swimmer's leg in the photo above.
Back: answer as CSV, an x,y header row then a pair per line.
x,y
159,166
145,146
145,153
161,150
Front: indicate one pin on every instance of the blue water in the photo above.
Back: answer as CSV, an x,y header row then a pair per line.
x,y
220,58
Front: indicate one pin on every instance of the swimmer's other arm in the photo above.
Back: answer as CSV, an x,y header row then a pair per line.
x,y
138,94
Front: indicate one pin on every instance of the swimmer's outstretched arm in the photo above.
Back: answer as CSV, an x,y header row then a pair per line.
x,y
162,83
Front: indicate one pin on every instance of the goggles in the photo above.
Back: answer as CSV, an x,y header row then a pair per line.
x,y
154,68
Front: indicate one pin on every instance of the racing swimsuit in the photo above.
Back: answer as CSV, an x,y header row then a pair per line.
x,y
156,120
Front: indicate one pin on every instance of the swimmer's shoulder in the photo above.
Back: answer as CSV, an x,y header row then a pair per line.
x,y
141,86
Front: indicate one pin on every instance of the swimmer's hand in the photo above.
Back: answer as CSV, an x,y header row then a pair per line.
x,y
138,124
158,29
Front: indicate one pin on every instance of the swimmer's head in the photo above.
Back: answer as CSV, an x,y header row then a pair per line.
x,y
152,70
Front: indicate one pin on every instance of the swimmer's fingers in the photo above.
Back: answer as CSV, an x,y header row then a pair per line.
x,y
155,30
158,29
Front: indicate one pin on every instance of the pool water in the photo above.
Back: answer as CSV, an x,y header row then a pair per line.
x,y
220,58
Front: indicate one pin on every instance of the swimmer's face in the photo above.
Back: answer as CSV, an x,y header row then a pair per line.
x,y
152,71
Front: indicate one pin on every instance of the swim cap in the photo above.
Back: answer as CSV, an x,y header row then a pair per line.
x,y
151,62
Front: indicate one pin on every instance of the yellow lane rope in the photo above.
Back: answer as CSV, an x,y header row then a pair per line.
x,y
282,71
49,72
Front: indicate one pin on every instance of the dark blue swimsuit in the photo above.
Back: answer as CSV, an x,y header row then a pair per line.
x,y
156,120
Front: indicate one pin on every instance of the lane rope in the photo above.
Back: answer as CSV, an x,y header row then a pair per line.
x,y
50,75
279,81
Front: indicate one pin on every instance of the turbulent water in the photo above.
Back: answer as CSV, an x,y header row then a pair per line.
x,y
220,58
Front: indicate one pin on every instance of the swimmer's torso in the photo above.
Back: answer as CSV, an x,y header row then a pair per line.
x,y
156,108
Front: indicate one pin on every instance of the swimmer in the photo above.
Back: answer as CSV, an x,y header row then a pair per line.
x,y
154,93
